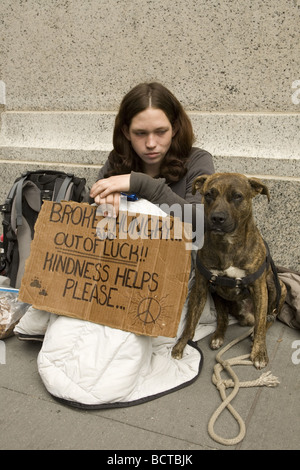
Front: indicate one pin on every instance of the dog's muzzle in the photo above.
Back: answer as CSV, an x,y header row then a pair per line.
x,y
220,222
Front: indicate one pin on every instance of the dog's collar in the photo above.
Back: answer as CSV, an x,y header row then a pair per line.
x,y
226,281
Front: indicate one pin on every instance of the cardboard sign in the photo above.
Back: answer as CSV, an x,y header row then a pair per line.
x,y
129,273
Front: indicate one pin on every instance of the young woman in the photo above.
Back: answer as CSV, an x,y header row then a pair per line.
x,y
154,158
153,153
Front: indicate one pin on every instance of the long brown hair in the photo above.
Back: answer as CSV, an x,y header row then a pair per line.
x,y
123,159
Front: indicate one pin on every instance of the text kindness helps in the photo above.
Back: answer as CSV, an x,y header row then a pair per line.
x,y
79,247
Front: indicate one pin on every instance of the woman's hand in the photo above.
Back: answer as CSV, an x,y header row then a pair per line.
x,y
113,184
106,192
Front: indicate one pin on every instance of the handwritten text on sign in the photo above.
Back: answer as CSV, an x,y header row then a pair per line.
x,y
129,273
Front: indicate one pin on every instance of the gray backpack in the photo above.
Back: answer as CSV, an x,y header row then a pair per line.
x,y
21,210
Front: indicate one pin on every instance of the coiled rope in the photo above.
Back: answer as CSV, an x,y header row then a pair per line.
x,y
266,379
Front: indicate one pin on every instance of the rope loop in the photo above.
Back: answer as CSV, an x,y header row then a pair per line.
x,y
266,379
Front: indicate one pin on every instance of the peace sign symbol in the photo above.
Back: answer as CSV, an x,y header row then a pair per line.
x,y
148,310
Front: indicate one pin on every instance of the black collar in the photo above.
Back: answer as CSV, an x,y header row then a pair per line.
x,y
226,281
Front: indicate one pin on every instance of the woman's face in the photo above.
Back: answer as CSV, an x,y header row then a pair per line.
x,y
150,134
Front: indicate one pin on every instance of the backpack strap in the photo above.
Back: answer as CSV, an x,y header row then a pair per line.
x,y
18,199
63,188
6,207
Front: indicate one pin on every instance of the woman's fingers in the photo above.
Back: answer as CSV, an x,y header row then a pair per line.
x,y
107,186
106,193
108,206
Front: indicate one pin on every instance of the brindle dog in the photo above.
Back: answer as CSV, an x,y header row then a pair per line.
x,y
235,254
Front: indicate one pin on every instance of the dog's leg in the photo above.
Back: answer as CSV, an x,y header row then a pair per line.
x,y
222,309
196,305
259,355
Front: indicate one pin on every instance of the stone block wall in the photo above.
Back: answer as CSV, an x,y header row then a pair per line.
x,y
66,64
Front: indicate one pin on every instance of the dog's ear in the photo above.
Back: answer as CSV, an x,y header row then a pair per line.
x,y
259,187
198,183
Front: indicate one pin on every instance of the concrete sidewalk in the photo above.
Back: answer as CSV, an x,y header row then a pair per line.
x,y
31,419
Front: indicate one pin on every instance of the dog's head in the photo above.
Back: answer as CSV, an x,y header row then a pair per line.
x,y
227,199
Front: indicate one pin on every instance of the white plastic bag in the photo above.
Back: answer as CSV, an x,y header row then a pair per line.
x,y
11,310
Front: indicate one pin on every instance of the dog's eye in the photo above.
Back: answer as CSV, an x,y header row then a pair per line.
x,y
208,196
237,197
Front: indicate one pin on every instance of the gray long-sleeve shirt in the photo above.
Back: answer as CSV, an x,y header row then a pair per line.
x,y
157,191
174,198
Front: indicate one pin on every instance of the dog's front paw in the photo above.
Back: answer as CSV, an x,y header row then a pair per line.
x,y
259,358
177,351
216,341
